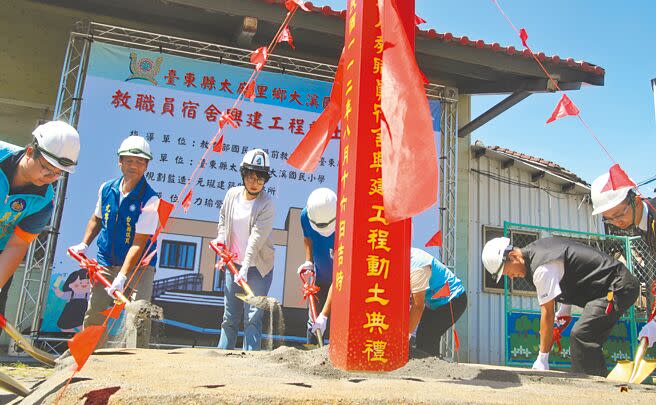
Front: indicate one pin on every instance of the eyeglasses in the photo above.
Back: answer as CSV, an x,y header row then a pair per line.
x,y
322,225
255,178
66,162
48,172
617,216
136,151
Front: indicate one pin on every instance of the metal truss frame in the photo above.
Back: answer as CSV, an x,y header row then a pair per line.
x,y
41,254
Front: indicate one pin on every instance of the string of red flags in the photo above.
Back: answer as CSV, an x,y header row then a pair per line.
x,y
435,240
617,179
564,108
286,36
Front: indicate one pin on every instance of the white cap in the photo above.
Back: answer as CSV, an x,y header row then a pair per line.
x,y
256,159
322,210
59,143
135,145
492,256
604,200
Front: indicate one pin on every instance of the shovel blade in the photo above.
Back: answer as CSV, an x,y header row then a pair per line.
x,y
645,368
9,384
621,372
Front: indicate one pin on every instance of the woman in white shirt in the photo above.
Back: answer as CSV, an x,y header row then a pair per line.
x,y
245,225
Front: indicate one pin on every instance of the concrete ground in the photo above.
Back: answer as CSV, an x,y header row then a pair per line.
x,y
289,375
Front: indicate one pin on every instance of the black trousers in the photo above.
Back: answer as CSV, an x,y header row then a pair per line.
x,y
434,322
593,328
321,300
3,297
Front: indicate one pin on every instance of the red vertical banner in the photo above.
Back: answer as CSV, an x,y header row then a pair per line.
x,y
371,285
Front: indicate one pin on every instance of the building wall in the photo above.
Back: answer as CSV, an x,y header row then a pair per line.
x,y
491,202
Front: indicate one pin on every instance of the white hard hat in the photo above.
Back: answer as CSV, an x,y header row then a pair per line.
x,y
59,143
256,159
135,145
322,210
604,200
493,256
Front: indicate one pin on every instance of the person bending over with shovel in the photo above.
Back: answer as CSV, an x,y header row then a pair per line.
x,y
318,224
572,273
245,226
124,219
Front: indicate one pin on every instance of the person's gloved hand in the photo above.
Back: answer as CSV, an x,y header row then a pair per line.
x,y
649,331
242,275
563,316
307,266
80,248
319,323
117,285
542,362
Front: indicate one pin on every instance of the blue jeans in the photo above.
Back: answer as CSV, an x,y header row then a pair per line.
x,y
235,309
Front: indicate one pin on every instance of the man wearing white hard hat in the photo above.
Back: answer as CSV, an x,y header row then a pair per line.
x,y
572,273
318,224
26,193
626,213
124,219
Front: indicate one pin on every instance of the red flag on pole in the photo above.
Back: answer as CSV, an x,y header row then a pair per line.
x,y
308,153
286,36
259,57
227,119
249,92
146,260
523,35
164,210
292,4
409,156
564,108
114,311
82,344
617,179
435,240
186,201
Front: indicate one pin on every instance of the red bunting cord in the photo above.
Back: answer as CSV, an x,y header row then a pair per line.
x,y
258,58
571,109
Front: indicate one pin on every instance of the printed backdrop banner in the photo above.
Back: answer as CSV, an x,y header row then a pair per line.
x,y
175,103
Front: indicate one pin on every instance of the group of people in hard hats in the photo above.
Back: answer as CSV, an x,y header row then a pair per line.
x,y
572,273
125,218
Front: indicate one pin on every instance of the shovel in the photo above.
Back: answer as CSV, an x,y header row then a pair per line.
x,y
94,268
9,384
43,357
309,292
634,372
227,258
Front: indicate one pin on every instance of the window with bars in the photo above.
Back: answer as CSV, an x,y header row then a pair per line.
x,y
177,255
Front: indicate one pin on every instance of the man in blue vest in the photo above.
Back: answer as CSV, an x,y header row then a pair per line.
x,y
438,300
124,220
26,193
318,224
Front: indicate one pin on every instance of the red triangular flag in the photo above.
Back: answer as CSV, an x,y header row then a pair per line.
x,y
259,57
82,344
153,237
286,36
227,119
435,240
218,145
419,20
308,153
249,91
164,210
456,339
617,179
443,292
146,260
292,4
408,139
524,37
186,201
114,311
564,108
